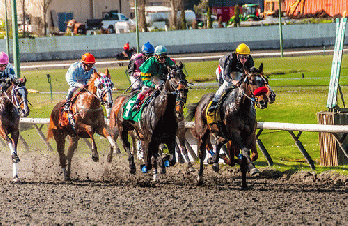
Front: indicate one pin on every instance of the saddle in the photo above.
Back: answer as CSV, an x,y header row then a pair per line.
x,y
135,116
214,117
67,118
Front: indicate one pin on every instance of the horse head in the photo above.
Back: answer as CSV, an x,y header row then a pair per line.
x,y
101,85
179,85
18,94
258,84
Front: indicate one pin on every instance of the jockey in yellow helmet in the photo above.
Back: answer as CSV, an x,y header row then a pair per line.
x,y
230,70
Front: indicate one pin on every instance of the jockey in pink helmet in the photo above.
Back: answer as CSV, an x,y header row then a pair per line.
x,y
6,71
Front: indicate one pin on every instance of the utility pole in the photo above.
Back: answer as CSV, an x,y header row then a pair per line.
x,y
7,31
16,59
136,23
280,29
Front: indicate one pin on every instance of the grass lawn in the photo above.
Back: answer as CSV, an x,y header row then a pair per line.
x,y
301,85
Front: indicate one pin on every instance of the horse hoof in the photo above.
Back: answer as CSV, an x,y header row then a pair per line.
x,y
254,171
15,158
95,158
216,167
199,181
163,170
244,188
155,178
210,160
109,158
16,179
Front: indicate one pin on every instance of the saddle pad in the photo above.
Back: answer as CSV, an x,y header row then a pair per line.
x,y
213,117
128,114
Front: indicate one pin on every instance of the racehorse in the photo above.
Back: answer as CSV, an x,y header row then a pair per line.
x,y
101,85
13,105
236,122
158,124
179,85
86,118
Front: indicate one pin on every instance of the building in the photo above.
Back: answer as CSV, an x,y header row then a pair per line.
x,y
296,7
61,11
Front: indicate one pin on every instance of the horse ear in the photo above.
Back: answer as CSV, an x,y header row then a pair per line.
x,y
107,73
261,68
181,65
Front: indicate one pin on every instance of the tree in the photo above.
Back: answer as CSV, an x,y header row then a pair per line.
x,y
141,15
45,4
201,9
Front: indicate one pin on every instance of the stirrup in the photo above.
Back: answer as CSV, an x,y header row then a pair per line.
x,y
66,106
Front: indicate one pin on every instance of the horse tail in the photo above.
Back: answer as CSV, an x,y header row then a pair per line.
x,y
51,127
191,111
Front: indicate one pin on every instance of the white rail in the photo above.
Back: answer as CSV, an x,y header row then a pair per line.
x,y
334,129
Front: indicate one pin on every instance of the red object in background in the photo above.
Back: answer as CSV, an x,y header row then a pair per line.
x,y
332,7
126,46
225,12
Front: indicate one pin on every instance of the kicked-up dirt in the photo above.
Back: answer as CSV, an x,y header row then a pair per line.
x,y
106,194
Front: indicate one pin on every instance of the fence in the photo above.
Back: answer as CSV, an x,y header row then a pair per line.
x,y
38,123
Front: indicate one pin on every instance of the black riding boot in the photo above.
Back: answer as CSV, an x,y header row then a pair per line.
x,y
136,105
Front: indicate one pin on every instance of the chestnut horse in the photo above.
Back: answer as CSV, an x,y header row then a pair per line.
x,y
88,118
237,124
158,124
13,105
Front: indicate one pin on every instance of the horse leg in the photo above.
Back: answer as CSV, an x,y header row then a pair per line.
x,y
71,149
171,144
251,167
95,155
215,160
182,147
103,132
154,165
254,153
60,140
202,154
126,146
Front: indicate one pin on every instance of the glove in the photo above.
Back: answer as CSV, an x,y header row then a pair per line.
x,y
79,85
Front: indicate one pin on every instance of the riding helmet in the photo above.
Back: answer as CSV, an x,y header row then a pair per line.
x,y
88,58
147,48
4,58
243,49
159,50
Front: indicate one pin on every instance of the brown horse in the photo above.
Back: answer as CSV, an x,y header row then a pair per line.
x,y
158,124
237,124
88,118
13,104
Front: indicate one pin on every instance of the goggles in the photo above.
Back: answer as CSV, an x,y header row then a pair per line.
x,y
243,57
87,65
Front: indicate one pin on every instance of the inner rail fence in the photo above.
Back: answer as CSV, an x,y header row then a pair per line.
x,y
339,132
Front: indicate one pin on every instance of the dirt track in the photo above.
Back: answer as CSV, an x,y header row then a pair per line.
x,y
103,194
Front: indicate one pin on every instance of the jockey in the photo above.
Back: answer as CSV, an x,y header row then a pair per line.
x,y
78,75
6,70
230,70
147,51
153,73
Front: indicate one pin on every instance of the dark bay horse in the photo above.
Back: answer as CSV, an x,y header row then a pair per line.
x,y
158,124
101,85
88,118
13,105
179,85
237,124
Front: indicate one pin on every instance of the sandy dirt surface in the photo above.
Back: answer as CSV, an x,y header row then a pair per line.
x,y
102,193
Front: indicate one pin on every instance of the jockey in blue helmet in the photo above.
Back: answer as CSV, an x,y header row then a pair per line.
x,y
153,72
147,51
